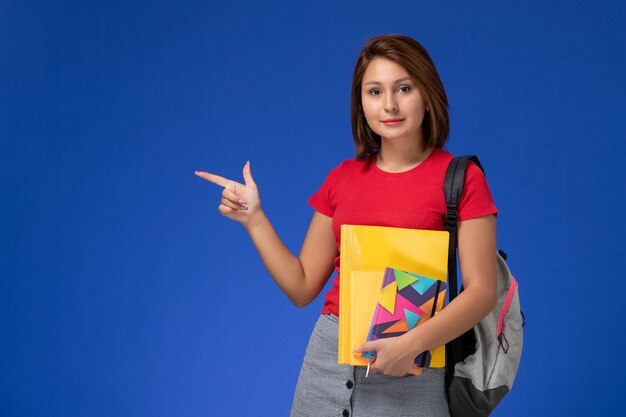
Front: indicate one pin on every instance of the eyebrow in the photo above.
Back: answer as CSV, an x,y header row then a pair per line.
x,y
396,82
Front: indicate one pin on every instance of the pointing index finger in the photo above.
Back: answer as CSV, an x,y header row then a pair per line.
x,y
216,179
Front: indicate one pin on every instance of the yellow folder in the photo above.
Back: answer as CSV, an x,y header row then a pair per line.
x,y
365,253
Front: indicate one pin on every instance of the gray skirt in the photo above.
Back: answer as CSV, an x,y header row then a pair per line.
x,y
326,388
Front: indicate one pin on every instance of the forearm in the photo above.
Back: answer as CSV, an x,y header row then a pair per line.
x,y
301,278
283,266
455,319
477,256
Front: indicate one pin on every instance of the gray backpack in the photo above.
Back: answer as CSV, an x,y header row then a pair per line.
x,y
482,363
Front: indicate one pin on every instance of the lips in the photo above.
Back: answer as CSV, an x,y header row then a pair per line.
x,y
392,122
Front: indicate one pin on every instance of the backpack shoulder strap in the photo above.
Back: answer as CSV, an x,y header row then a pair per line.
x,y
453,189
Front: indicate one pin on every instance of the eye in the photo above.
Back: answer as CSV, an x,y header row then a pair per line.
x,y
374,92
404,89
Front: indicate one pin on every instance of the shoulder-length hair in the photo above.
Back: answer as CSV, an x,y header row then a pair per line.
x,y
411,55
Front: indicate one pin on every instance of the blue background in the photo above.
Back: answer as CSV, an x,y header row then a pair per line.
x,y
123,292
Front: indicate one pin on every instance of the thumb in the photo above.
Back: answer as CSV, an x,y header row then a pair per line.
x,y
367,347
247,175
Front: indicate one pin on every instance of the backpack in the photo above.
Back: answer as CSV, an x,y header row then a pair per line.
x,y
481,364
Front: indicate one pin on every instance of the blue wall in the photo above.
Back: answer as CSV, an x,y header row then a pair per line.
x,y
123,292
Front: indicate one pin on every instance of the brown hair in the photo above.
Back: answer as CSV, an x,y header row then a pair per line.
x,y
411,55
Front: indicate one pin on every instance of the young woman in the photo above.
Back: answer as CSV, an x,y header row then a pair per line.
x,y
400,125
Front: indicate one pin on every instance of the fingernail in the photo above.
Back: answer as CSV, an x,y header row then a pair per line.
x,y
244,202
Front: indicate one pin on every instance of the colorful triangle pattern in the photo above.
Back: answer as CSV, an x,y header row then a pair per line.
x,y
411,319
406,300
404,279
387,297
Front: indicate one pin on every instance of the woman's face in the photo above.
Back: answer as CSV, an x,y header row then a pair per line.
x,y
392,103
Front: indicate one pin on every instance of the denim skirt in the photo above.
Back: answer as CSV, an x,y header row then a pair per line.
x,y
326,388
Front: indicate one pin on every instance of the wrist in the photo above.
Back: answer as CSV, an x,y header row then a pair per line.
x,y
414,343
255,221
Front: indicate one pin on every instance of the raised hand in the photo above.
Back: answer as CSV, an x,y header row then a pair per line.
x,y
239,202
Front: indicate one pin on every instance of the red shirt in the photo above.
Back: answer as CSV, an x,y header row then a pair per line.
x,y
358,192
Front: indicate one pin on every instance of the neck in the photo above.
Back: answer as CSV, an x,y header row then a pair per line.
x,y
396,156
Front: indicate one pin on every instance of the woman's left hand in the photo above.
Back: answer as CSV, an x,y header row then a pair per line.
x,y
393,356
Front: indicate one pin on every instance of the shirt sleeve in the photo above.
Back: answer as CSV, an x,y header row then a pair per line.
x,y
476,200
322,199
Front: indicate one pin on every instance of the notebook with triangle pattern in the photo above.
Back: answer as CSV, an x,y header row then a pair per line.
x,y
407,300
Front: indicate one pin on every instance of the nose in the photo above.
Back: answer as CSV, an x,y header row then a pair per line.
x,y
391,106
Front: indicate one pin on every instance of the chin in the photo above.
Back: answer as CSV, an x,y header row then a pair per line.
x,y
397,136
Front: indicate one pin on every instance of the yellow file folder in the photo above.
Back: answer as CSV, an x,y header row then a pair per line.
x,y
365,253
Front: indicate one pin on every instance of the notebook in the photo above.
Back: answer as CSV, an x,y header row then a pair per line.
x,y
405,301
